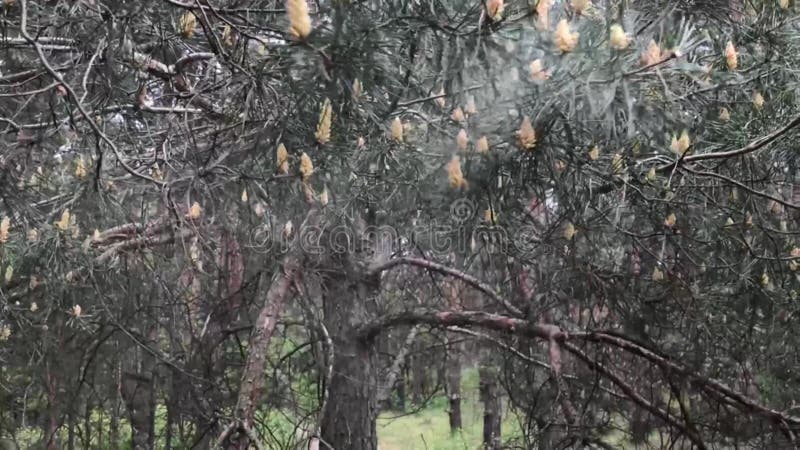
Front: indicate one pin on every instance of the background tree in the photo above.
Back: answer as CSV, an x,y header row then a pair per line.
x,y
219,214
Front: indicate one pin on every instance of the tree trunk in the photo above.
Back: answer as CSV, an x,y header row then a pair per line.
x,y
252,384
349,418
71,429
170,405
395,370
545,439
418,366
453,380
100,426
113,434
86,438
136,394
490,397
51,431
400,389
151,412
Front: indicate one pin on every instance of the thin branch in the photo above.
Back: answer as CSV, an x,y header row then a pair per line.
x,y
706,383
743,186
633,395
463,318
551,332
436,267
749,148
57,76
386,390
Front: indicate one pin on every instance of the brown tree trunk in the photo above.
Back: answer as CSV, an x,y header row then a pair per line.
x,y
418,373
51,431
400,389
546,435
113,433
71,428
86,438
170,405
349,418
136,389
490,397
395,370
100,426
151,412
252,385
453,379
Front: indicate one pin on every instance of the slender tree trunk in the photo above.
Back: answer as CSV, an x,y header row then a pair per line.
x,y
418,372
395,370
100,415
151,412
453,381
400,389
546,435
113,434
170,405
87,425
136,390
252,385
51,431
490,397
349,419
71,428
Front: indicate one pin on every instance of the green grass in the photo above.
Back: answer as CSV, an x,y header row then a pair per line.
x,y
425,428
429,428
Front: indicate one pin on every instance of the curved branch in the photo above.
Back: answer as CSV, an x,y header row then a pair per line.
x,y
634,396
707,384
444,270
464,319
551,333
92,124
749,148
742,186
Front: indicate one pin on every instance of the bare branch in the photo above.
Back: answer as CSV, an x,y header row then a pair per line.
x,y
436,267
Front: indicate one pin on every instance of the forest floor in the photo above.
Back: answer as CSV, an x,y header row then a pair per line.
x,y
428,428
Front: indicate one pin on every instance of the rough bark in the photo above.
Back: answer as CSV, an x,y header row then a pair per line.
x,y
136,392
100,426
239,434
454,293
395,370
546,436
152,402
170,405
137,388
418,375
400,389
51,437
466,319
113,434
492,413
86,438
71,429
453,378
349,420
251,387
